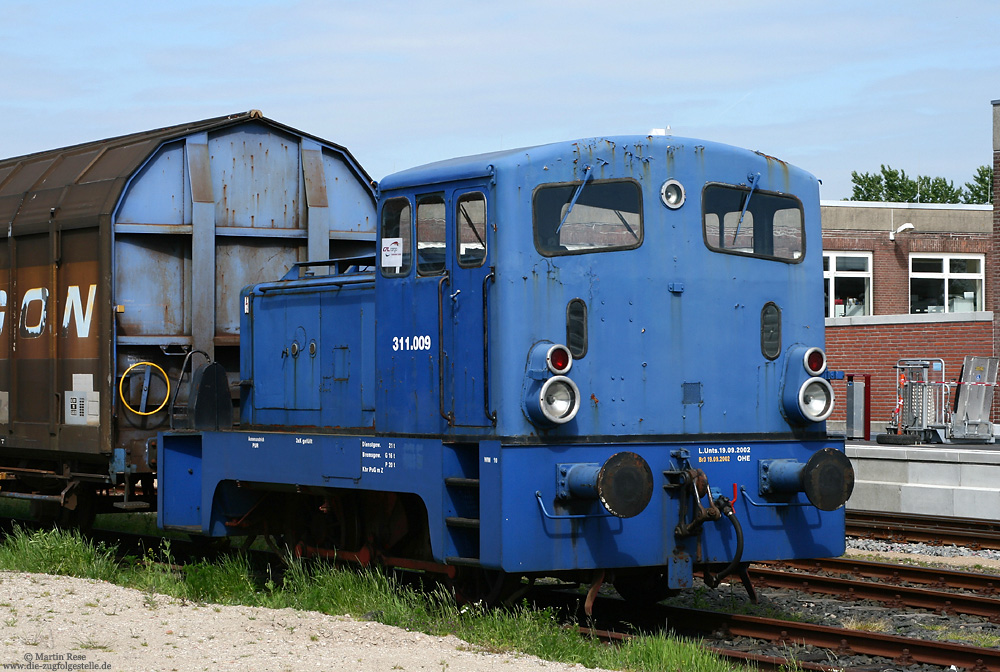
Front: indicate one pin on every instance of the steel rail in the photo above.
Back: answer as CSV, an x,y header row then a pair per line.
x,y
967,532
843,641
939,577
893,595
758,661
761,662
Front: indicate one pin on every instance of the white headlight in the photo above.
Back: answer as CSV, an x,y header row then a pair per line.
x,y
559,399
816,399
672,194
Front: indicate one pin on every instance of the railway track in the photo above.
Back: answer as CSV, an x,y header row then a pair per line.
x,y
840,643
887,583
757,660
895,574
968,532
892,596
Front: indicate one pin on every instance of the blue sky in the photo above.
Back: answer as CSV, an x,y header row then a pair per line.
x,y
830,87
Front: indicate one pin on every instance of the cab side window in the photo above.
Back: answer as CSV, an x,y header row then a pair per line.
x,y
430,234
470,227
397,255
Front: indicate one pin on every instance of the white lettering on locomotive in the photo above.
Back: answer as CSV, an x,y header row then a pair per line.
x,y
419,342
722,453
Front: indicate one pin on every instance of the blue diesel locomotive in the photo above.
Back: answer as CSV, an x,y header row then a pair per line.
x,y
600,360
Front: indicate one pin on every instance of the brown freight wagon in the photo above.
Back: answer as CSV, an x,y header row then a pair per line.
x,y
122,270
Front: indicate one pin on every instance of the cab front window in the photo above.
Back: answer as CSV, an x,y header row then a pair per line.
x,y
587,216
754,223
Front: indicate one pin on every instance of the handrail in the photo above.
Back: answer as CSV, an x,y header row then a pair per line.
x,y
575,516
492,415
357,260
447,416
319,281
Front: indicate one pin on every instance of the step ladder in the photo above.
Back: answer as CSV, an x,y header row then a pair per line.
x,y
461,504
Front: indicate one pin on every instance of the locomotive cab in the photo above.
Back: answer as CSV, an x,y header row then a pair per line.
x,y
644,307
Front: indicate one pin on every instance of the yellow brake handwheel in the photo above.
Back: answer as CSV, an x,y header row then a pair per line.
x,y
121,388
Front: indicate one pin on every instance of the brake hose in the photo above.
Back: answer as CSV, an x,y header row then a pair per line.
x,y
727,510
180,377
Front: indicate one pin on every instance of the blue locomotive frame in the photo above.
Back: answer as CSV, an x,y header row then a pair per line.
x,y
597,355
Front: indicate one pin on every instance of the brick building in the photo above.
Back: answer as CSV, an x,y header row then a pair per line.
x,y
910,280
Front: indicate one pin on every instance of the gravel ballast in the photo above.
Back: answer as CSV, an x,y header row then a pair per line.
x,y
82,624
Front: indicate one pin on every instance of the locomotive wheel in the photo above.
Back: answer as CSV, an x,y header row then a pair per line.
x,y
644,588
489,587
210,547
330,523
335,524
294,524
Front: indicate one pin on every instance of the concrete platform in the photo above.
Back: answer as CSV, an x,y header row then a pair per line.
x,y
940,480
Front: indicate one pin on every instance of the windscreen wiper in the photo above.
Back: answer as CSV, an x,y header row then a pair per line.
x,y
471,225
579,190
753,180
628,228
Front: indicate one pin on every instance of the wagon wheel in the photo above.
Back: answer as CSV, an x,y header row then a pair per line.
x,y
144,490
490,587
643,588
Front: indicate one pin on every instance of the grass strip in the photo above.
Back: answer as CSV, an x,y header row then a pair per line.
x,y
365,594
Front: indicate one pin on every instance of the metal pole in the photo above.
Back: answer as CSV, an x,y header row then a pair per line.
x,y
868,406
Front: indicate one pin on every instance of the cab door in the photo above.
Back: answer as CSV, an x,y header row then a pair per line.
x,y
465,310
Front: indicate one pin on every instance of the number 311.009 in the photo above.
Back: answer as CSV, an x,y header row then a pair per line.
x,y
411,342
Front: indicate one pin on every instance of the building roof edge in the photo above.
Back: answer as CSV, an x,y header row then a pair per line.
x,y
906,206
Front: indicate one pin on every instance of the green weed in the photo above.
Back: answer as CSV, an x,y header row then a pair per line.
x,y
52,551
867,624
364,594
977,637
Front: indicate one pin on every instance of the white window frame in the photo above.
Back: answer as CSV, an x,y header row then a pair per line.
x,y
947,275
830,275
